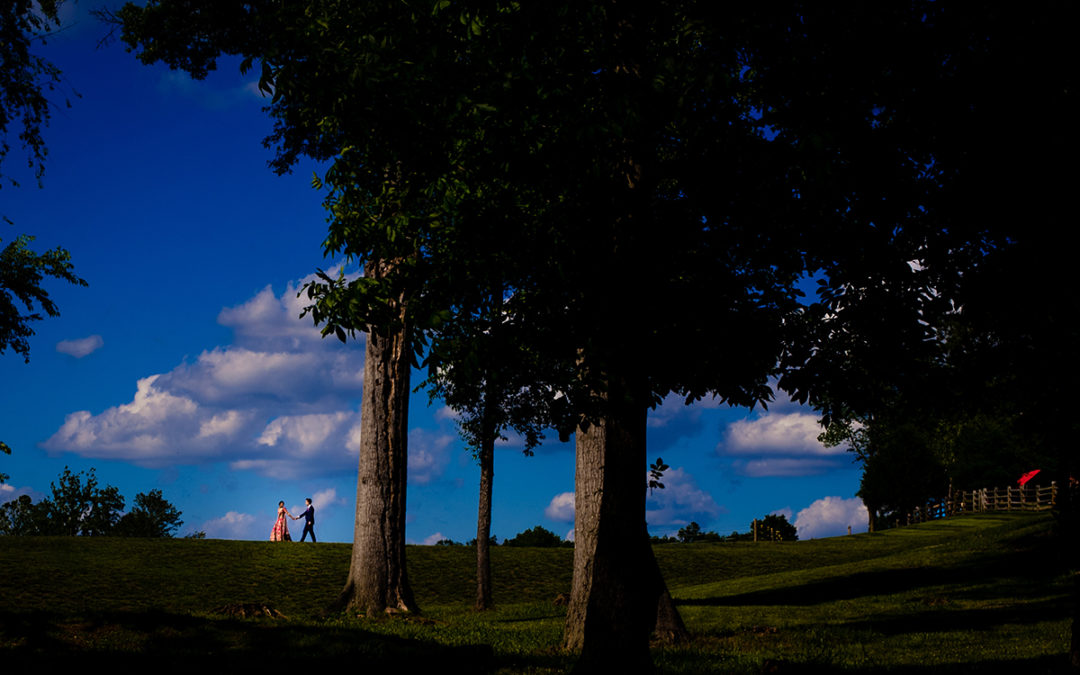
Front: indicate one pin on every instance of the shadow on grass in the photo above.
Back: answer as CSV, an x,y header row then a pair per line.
x,y
707,663
168,643
1019,573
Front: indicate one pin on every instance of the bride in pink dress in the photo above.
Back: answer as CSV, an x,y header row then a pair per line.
x,y
281,527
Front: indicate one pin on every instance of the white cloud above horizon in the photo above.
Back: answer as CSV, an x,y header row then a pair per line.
x,y
779,444
234,525
81,347
432,539
794,433
561,508
680,501
279,401
831,517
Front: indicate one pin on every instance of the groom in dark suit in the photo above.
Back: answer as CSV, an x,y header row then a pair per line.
x,y
309,520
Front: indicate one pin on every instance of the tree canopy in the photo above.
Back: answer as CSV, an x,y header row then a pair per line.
x,y
643,191
26,79
79,506
22,297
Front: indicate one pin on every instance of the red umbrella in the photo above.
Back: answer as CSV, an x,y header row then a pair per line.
x,y
1027,476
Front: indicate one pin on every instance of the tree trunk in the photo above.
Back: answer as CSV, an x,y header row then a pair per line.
x,y
377,581
484,598
618,595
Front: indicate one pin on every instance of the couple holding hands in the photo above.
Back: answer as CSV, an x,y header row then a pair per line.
x,y
281,527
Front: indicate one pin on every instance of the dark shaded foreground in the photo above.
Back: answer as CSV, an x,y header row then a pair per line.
x,y
161,642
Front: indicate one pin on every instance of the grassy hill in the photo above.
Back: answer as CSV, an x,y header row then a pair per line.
x,y
983,593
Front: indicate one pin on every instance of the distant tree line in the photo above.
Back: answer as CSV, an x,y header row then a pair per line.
x,y
79,506
537,536
773,527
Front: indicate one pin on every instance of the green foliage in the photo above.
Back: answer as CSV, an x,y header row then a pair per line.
x,y
22,271
79,507
913,454
27,81
21,517
776,527
692,533
152,516
538,537
656,472
7,451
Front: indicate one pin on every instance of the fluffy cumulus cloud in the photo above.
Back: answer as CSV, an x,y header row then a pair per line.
x,y
82,347
235,525
680,501
433,539
561,508
791,433
830,517
327,500
779,444
279,400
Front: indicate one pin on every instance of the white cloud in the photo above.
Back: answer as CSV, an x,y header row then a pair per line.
x,y
680,501
82,347
280,401
433,539
791,434
235,525
830,517
784,466
429,453
786,512
271,322
327,499
561,508
10,492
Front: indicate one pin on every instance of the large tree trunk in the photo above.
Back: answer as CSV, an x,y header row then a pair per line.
x,y
377,581
484,598
618,597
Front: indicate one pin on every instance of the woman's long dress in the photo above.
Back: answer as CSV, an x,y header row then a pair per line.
x,y
281,528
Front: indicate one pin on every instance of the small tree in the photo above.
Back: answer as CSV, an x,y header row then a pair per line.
x,y
153,516
693,533
22,517
537,536
81,508
776,527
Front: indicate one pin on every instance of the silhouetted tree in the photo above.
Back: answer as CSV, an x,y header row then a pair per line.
x,y
656,181
536,536
27,82
775,526
152,516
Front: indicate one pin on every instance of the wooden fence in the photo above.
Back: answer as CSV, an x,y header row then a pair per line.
x,y
1026,498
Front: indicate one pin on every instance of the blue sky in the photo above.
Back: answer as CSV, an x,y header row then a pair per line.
x,y
184,366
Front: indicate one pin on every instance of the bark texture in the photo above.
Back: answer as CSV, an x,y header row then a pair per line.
x,y
377,581
618,595
484,598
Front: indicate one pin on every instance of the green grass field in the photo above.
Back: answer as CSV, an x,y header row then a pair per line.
x,y
984,593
